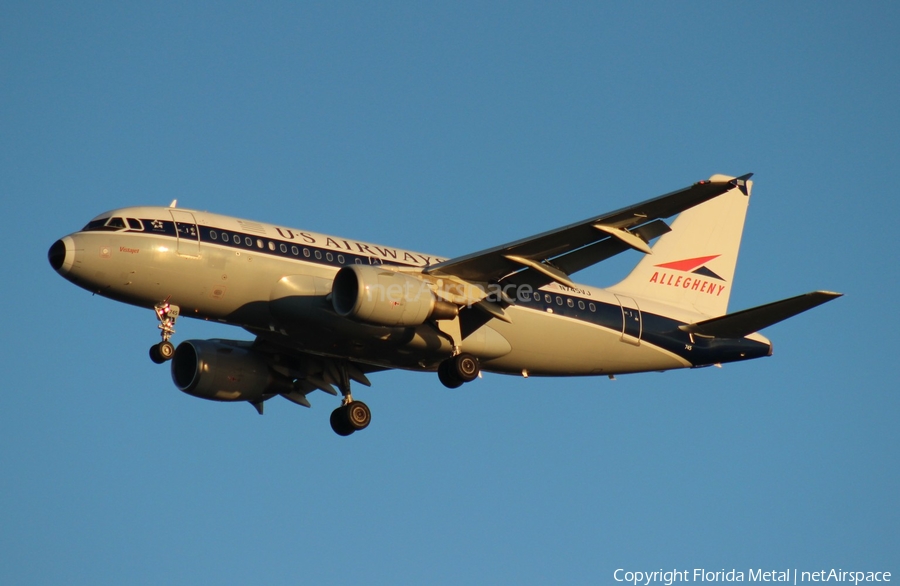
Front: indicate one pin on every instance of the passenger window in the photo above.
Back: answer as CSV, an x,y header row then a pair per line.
x,y
341,258
558,300
548,298
248,241
271,246
319,254
260,243
329,257
213,235
283,248
537,296
580,304
295,251
306,252
591,306
570,303
135,224
358,261
224,236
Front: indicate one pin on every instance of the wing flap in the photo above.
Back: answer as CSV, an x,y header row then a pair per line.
x,y
742,323
632,240
599,251
550,272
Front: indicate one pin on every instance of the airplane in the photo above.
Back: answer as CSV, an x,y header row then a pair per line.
x,y
327,311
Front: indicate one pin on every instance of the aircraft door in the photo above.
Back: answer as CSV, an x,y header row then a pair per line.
x,y
187,232
632,324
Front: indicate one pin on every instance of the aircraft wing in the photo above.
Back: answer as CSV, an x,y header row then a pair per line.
x,y
741,323
553,255
310,372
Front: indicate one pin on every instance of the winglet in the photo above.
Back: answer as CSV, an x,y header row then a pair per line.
x,y
742,182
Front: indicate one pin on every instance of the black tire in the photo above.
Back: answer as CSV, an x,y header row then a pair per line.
x,y
166,350
339,422
446,376
154,354
465,367
358,415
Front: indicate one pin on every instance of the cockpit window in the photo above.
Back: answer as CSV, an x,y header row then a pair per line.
x,y
107,224
94,225
135,224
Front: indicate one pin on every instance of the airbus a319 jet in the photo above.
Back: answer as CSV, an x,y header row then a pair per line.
x,y
327,311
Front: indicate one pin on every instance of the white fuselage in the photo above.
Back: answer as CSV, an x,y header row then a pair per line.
x,y
245,273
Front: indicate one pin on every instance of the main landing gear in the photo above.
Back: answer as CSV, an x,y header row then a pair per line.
x,y
352,415
166,314
459,369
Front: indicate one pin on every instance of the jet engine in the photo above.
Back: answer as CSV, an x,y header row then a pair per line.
x,y
380,296
225,370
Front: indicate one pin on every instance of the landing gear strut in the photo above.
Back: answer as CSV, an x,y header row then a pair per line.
x,y
166,314
352,415
459,369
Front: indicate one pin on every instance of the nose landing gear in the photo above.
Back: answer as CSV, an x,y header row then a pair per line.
x,y
166,314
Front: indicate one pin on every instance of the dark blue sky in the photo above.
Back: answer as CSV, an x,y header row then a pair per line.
x,y
447,129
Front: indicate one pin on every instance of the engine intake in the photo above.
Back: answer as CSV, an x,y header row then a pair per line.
x,y
224,370
388,298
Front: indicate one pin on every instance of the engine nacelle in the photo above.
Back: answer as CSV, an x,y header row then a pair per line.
x,y
224,370
379,296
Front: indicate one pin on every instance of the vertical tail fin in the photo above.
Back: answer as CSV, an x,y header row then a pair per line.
x,y
692,267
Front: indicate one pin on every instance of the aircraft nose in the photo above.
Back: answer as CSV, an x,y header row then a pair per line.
x,y
57,255
61,255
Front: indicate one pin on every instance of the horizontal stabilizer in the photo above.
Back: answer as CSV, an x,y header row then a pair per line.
x,y
742,323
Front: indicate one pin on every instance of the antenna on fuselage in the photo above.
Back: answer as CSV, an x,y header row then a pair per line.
x,y
174,203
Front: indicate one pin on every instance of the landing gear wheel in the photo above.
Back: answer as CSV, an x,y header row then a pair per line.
x,y
462,368
154,354
162,352
166,349
358,415
446,376
465,367
339,422
353,416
